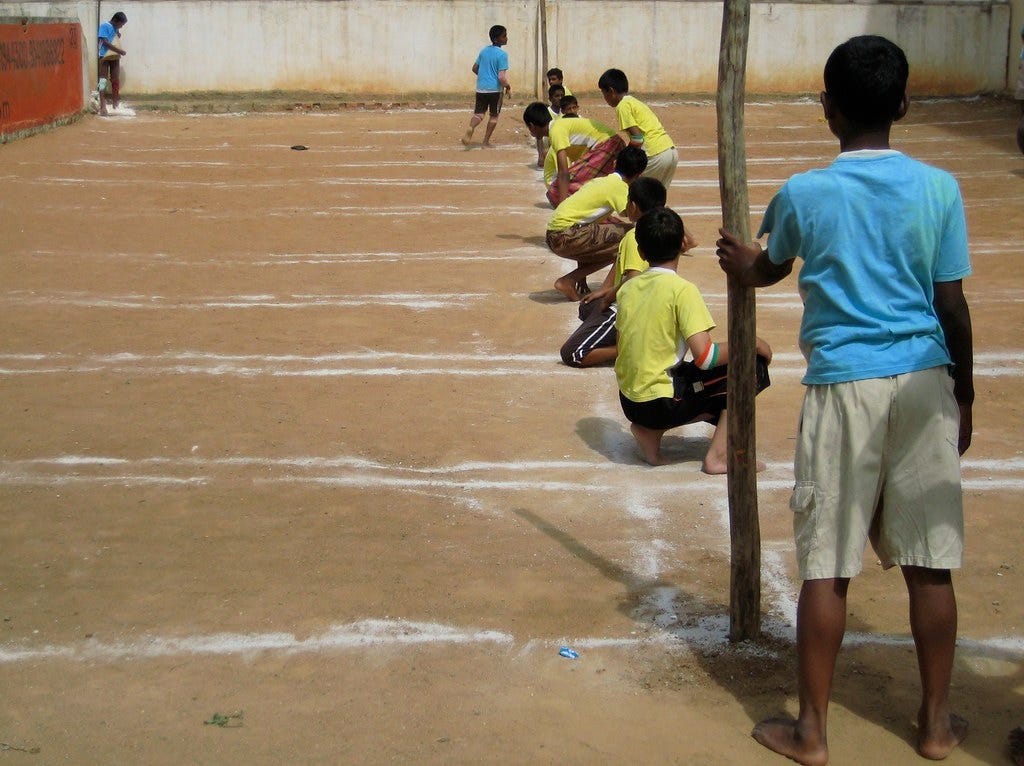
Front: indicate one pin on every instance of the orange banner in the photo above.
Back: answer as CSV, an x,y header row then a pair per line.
x,y
40,73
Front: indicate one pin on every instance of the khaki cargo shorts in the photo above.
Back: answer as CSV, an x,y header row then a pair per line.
x,y
877,459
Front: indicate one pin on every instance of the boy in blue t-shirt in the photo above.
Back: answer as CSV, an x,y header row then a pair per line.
x,y
887,412
491,70
109,51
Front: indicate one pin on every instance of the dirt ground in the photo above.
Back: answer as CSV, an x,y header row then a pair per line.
x,y
290,471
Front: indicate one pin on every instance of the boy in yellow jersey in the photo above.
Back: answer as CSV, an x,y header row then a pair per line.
x,y
644,128
583,148
659,317
555,76
594,340
584,227
555,95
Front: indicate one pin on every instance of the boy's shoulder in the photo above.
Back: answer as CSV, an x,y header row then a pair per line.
x,y
868,165
660,286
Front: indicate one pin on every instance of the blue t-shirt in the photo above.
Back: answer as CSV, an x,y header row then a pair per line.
x,y
876,230
491,60
108,33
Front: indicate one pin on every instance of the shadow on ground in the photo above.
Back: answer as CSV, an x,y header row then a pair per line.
x,y
761,674
612,439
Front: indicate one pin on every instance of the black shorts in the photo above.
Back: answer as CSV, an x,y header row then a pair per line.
x,y
699,395
488,102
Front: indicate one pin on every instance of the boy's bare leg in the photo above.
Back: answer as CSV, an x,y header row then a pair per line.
x,y
475,120
115,84
492,123
933,621
598,356
716,460
649,442
101,74
820,624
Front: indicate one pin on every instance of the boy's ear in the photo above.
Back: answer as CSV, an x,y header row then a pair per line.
x,y
904,106
826,104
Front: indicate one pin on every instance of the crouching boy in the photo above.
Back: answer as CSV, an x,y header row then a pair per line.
x,y
660,316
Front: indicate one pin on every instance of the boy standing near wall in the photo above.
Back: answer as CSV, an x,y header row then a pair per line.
x,y
887,412
110,53
491,70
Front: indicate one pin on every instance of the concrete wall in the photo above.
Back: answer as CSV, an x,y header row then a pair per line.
x,y
404,47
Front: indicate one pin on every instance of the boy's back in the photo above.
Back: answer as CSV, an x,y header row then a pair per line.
x,y
595,200
656,312
876,230
632,111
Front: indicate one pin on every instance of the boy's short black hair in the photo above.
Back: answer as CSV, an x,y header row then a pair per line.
x,y
866,78
568,101
631,162
648,193
554,89
119,17
659,235
555,72
537,114
615,79
496,31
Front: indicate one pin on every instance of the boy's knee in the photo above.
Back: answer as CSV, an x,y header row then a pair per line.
x,y
570,355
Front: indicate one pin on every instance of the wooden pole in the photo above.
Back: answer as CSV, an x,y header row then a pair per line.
x,y
543,11
744,533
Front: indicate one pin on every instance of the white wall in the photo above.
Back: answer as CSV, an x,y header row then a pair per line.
x,y
405,47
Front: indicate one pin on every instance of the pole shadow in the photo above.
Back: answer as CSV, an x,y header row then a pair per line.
x,y
761,674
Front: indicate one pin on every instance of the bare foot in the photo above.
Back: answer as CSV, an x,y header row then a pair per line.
x,y
1017,738
717,466
780,735
567,287
583,288
467,138
649,443
487,145
939,742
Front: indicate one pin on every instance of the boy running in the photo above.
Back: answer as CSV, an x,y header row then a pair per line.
x,y
491,70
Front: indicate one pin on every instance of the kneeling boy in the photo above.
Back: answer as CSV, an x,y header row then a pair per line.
x,y
594,341
659,316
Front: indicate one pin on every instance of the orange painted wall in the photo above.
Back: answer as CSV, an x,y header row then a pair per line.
x,y
40,74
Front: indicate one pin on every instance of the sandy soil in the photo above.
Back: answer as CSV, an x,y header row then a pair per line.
x,y
286,439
